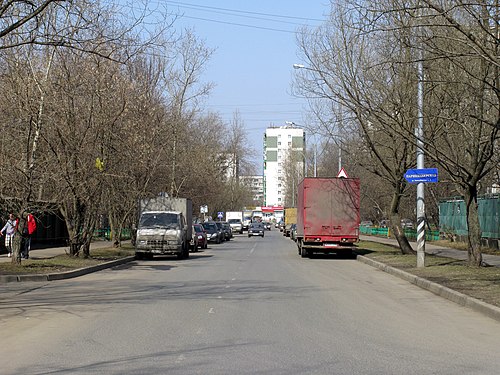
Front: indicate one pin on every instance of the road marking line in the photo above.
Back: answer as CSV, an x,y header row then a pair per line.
x,y
211,311
180,358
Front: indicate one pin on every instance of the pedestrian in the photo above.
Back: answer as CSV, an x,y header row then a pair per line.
x,y
9,229
29,229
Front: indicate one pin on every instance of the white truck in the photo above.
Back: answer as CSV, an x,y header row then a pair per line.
x,y
164,228
247,219
235,220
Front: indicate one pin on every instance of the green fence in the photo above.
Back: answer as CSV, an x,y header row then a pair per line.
x,y
411,234
106,234
452,216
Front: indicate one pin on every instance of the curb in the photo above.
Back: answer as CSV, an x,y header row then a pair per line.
x,y
67,274
442,291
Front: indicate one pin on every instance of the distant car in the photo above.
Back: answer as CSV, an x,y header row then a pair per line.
x,y
287,230
366,223
267,225
213,232
406,224
256,229
281,226
228,231
222,230
194,243
236,225
293,232
385,223
201,234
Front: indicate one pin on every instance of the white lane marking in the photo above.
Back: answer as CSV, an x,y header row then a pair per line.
x,y
180,358
219,297
211,311
233,279
253,249
228,286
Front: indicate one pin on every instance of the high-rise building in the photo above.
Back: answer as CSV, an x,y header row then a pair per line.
x,y
284,164
256,185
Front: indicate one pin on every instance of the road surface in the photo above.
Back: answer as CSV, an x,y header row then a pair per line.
x,y
248,306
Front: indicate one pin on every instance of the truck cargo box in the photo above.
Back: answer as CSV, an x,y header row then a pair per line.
x,y
327,215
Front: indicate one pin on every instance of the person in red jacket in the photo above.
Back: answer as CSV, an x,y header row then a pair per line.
x,y
29,229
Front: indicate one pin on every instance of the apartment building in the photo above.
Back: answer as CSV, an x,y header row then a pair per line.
x,y
284,164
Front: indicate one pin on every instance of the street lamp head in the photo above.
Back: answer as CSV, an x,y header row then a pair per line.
x,y
298,66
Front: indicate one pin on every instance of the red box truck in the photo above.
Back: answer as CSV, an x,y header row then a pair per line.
x,y
327,215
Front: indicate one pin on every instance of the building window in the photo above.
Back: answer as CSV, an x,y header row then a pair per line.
x,y
279,192
289,136
279,143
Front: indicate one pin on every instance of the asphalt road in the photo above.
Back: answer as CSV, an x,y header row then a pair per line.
x,y
249,306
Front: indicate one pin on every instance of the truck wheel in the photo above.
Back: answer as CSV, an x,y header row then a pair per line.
x,y
303,252
139,255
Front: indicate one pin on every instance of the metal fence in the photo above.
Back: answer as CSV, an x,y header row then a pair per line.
x,y
411,234
452,216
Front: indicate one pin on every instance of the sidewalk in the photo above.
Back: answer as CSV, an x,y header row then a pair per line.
x,y
443,251
51,252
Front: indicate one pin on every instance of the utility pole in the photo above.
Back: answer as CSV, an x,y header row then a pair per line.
x,y
419,133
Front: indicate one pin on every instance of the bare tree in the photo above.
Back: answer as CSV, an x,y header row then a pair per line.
x,y
362,74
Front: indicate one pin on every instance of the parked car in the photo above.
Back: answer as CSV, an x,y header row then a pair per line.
x,y
202,236
228,231
222,230
236,225
194,243
406,224
281,225
213,232
267,225
366,223
385,223
293,232
256,229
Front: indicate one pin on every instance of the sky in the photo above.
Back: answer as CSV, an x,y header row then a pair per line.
x,y
252,66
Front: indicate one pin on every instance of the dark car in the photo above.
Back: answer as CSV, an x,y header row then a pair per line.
x,y
213,232
293,232
222,230
200,233
228,231
193,244
256,229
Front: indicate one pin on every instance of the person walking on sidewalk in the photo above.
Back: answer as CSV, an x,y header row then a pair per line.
x,y
29,229
9,229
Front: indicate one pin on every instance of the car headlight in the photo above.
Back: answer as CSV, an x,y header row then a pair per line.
x,y
200,237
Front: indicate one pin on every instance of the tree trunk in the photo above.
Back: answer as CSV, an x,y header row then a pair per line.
x,y
475,257
395,225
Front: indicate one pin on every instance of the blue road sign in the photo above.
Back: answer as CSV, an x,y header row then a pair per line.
x,y
220,215
416,176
